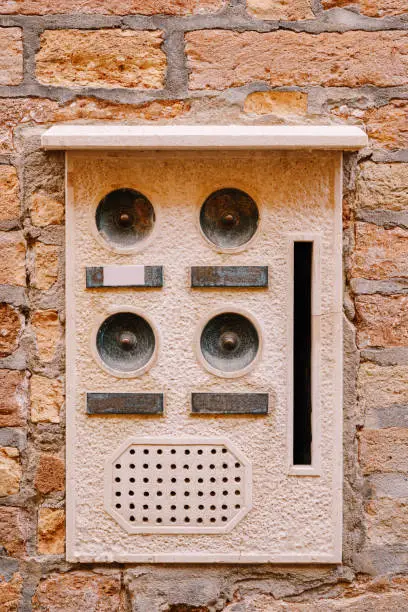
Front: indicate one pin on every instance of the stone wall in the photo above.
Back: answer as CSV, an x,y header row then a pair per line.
x,y
209,61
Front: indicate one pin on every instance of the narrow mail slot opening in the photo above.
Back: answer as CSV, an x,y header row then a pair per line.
x,y
302,353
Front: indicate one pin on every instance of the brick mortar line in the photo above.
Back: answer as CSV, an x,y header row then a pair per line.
x,y
381,95
333,20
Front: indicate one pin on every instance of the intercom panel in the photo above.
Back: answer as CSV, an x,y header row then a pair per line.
x,y
204,356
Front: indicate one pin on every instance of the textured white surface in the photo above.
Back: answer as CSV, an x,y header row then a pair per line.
x,y
204,137
293,517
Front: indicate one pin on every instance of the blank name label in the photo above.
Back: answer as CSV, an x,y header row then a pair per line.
x,y
124,276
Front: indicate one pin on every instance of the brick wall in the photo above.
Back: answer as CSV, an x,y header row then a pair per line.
x,y
208,61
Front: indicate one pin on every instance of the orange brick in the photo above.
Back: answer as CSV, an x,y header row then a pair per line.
x,y
219,59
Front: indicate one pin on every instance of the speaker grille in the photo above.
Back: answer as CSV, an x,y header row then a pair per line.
x,y
200,486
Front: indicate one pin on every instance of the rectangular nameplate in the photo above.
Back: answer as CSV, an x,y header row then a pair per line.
x,y
229,403
229,276
124,403
124,276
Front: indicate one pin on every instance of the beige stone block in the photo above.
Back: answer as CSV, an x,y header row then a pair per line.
x,y
382,186
51,531
101,58
13,398
382,320
46,210
79,590
45,265
111,7
384,450
386,521
10,329
13,530
11,56
9,193
10,593
13,251
50,475
276,103
379,253
218,59
47,330
386,125
10,471
284,10
382,386
47,397
371,8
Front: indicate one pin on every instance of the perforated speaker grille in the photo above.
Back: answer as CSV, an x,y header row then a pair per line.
x,y
187,485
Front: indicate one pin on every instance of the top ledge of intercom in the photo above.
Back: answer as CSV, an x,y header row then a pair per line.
x,y
137,137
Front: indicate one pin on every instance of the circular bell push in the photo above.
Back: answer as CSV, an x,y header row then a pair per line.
x,y
125,342
229,342
125,218
229,218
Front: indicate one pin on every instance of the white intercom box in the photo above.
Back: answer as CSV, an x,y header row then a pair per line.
x,y
204,361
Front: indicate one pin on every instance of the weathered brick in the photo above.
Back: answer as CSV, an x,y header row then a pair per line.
x,y
276,103
382,186
379,253
11,56
13,398
46,210
382,320
47,397
50,475
17,111
13,530
110,7
10,470
9,193
48,333
280,9
219,59
10,593
386,125
386,521
382,386
384,450
10,329
371,8
45,265
51,531
13,250
79,590
102,58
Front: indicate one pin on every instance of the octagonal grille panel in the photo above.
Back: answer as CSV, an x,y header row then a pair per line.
x,y
166,486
